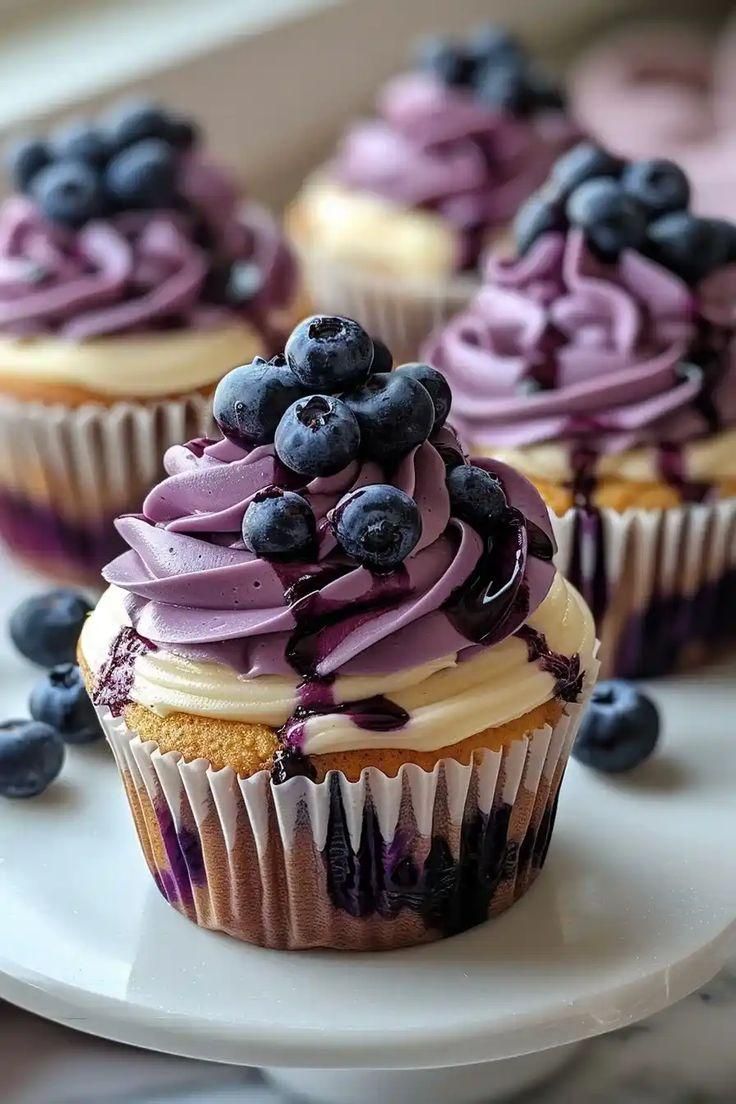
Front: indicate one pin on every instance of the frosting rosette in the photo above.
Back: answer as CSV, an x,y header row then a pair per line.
x,y
560,345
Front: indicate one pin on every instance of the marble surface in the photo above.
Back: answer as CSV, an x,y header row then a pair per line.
x,y
685,1055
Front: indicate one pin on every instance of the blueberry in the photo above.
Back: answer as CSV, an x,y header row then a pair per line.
x,y
46,627
60,700
69,192
438,387
689,246
81,141
31,756
25,159
444,60
505,87
182,133
378,526
619,730
611,220
330,353
476,496
133,122
383,361
395,414
250,401
280,525
660,186
143,175
492,43
585,161
539,215
318,435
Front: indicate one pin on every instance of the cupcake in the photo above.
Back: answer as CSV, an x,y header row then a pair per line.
x,y
131,278
392,229
339,672
599,360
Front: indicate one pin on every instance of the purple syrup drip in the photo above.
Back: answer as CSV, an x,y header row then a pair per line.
x,y
115,678
587,568
376,714
564,669
671,466
544,370
289,762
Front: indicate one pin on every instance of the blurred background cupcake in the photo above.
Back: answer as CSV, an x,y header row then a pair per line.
x,y
600,361
392,228
131,277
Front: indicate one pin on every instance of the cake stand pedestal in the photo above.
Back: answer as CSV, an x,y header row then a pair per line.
x,y
635,908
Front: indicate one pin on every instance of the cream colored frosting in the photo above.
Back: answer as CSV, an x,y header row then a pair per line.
x,y
357,228
130,366
709,460
446,701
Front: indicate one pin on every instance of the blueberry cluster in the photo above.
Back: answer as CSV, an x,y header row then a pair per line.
x,y
45,629
125,161
618,204
495,67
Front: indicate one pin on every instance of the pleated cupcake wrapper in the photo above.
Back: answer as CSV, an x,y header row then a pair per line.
x,y
401,313
661,583
66,473
373,864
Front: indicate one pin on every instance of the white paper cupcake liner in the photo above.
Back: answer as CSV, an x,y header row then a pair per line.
x,y
373,864
66,473
402,313
661,583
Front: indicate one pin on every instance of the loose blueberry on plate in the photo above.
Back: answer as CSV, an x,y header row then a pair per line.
x,y
318,435
69,192
378,526
619,730
476,496
250,401
438,387
444,60
25,158
585,161
539,215
689,246
81,141
60,700
395,414
610,219
143,175
660,186
31,756
280,525
329,353
46,627
133,122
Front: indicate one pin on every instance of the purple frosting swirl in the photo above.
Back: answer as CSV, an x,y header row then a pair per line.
x,y
194,588
142,271
557,345
441,149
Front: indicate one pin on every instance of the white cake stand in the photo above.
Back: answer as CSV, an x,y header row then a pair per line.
x,y
635,909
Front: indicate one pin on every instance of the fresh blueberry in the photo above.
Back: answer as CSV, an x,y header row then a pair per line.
x,y
329,353
383,361
280,525
318,435
492,43
31,756
395,414
660,186
585,161
378,526
689,246
505,87
81,141
476,496
133,122
250,401
610,219
619,730
182,133
444,60
69,192
539,215
25,159
143,175
46,627
438,387
61,701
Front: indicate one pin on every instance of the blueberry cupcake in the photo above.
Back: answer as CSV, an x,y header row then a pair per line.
x,y
600,361
338,669
392,229
131,278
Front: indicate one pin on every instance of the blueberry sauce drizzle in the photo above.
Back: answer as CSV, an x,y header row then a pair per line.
x,y
564,669
115,678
